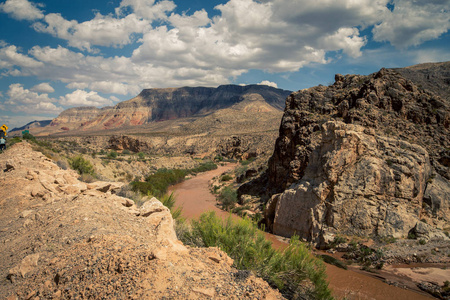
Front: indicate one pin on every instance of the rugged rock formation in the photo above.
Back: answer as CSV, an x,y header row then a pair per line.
x,y
167,104
359,157
430,76
65,239
124,142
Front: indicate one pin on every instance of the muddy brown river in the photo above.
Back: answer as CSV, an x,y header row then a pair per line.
x,y
194,196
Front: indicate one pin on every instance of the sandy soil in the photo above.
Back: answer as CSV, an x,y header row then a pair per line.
x,y
195,198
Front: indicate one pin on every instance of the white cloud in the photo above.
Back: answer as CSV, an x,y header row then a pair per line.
x,y
44,87
83,98
194,49
147,9
114,87
24,100
413,22
19,95
21,10
100,31
269,83
10,56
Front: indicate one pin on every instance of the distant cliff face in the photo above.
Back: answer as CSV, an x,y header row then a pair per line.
x,y
367,155
75,116
166,104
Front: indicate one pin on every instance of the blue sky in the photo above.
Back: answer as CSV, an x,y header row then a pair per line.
x,y
57,54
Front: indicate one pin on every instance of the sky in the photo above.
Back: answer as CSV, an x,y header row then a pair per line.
x,y
57,54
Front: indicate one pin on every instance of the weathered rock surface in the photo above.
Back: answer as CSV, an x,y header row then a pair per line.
x,y
357,157
127,143
61,238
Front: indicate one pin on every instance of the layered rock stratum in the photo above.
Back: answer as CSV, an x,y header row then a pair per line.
x,y
366,156
62,238
155,105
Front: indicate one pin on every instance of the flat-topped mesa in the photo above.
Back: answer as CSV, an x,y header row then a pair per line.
x,y
167,104
358,157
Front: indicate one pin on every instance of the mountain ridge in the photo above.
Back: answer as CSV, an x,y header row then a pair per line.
x,y
159,104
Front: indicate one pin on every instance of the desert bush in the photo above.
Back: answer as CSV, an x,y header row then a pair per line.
x,y
247,161
81,165
113,154
28,136
295,271
13,141
126,152
228,198
226,178
203,167
141,155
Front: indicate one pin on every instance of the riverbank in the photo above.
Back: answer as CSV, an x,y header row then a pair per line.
x,y
194,196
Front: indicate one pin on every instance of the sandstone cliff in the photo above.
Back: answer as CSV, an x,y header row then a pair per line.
x,y
365,156
62,238
164,104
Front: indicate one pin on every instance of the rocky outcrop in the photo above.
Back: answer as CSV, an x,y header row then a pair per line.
x,y
65,239
355,183
357,157
127,143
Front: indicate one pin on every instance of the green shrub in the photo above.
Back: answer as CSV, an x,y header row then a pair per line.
x,y
295,271
248,161
141,155
126,152
158,183
203,167
113,154
28,136
228,198
13,141
169,202
226,178
333,261
422,242
219,158
81,165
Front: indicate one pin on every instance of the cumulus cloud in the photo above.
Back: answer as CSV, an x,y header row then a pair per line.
x,y
147,9
411,23
195,49
20,99
11,57
44,87
21,10
100,31
83,98
269,83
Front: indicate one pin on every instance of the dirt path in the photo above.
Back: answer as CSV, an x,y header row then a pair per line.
x,y
195,198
